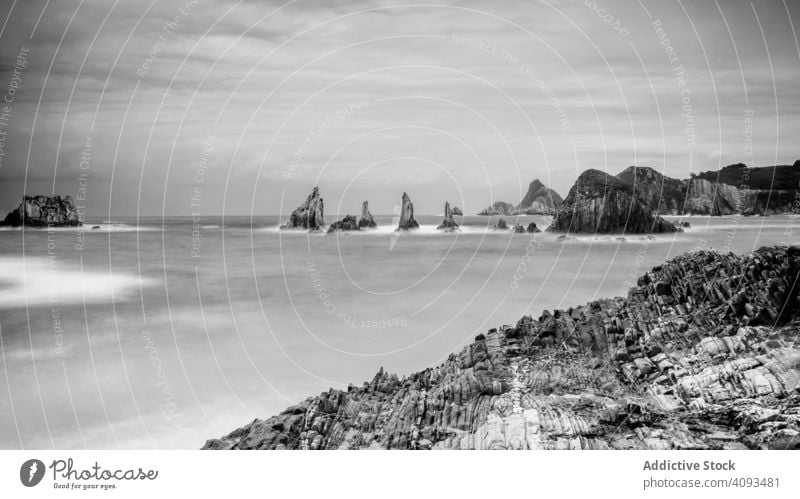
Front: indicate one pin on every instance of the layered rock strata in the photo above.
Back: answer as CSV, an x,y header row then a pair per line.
x,y
601,203
703,353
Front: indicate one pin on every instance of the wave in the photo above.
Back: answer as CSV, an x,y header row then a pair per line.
x,y
36,281
91,228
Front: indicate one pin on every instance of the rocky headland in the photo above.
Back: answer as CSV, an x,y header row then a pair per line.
x,y
407,221
703,353
498,208
735,189
601,203
309,215
44,211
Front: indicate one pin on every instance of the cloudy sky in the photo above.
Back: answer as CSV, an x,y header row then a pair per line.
x,y
248,104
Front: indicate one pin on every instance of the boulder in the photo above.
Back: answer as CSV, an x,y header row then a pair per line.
x,y
448,224
407,221
366,221
346,224
501,224
309,215
44,211
601,203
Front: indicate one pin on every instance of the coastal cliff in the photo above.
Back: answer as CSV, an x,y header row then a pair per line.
x,y
703,353
663,195
539,200
43,211
601,203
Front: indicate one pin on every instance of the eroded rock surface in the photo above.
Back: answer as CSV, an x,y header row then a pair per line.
x,y
539,200
348,223
407,221
448,224
309,215
703,353
366,221
44,211
601,203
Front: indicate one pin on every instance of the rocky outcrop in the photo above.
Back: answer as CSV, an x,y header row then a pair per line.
x,y
519,229
601,203
703,353
309,215
662,194
532,228
407,221
456,211
44,211
501,224
498,208
348,223
448,224
366,221
539,200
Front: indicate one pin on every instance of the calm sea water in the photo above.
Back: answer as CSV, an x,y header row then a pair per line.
x,y
163,333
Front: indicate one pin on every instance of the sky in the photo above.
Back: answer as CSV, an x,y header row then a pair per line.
x,y
240,107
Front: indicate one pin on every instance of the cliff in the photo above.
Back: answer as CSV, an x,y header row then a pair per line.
x,y
309,215
539,200
601,203
702,354
43,211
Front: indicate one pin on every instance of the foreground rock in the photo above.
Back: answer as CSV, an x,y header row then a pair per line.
x,y
309,215
448,224
44,211
539,200
601,203
366,221
702,354
348,223
407,221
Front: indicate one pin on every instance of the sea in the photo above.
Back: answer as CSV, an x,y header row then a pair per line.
x,y
160,333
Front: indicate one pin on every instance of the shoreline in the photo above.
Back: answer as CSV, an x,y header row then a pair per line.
x,y
702,354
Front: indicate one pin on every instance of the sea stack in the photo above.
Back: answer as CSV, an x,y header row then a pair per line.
x,y
407,215
448,224
366,221
44,211
456,211
601,203
348,223
309,215
498,208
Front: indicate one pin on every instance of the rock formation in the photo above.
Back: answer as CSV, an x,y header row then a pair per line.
x,y
498,208
519,228
532,228
309,215
44,211
601,203
735,189
366,221
348,223
539,200
703,353
457,212
662,194
448,224
407,215
501,224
